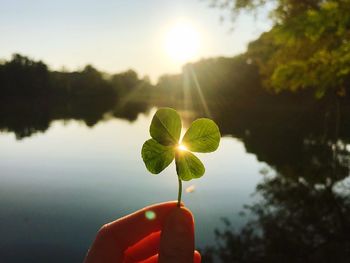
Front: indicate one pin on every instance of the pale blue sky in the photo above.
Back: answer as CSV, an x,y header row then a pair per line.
x,y
115,35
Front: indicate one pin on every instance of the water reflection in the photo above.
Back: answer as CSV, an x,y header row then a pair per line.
x,y
25,117
302,209
303,214
297,220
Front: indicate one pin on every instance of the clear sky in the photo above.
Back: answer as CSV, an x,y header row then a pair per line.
x,y
116,35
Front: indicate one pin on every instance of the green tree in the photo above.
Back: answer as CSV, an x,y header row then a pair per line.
x,y
308,46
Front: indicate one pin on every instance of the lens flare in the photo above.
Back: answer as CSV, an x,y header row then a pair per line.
x,y
150,215
191,189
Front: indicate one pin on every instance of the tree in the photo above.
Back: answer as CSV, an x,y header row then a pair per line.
x,y
307,48
23,77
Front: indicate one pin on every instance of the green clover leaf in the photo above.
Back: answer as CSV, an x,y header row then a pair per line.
x,y
156,156
203,136
157,153
166,127
188,166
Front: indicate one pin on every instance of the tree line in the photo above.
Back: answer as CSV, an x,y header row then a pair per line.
x,y
24,77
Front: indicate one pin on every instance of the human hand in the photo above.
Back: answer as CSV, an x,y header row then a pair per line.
x,y
138,237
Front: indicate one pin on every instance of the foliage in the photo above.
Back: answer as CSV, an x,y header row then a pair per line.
x,y
307,48
158,152
125,81
22,76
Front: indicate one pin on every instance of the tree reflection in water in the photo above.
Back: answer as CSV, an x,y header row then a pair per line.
x,y
303,213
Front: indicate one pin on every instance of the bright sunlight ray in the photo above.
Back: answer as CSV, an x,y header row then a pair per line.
x,y
200,93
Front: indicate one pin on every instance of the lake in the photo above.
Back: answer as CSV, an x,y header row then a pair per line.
x,y
271,181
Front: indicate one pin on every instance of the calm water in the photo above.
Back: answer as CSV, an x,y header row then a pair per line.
x,y
58,186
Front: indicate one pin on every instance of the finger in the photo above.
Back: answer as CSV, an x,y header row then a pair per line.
x,y
104,249
134,227
113,238
143,249
177,238
154,259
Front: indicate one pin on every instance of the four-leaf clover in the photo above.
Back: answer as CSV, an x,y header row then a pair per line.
x,y
158,152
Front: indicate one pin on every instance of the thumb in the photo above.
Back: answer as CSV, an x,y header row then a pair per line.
x,y
177,237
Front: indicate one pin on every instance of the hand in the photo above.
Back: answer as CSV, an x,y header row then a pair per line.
x,y
166,235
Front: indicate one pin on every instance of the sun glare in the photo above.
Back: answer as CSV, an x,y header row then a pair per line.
x,y
182,147
182,42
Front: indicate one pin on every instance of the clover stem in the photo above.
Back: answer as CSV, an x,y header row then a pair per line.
x,y
180,192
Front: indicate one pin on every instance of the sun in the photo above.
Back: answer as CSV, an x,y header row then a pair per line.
x,y
182,42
